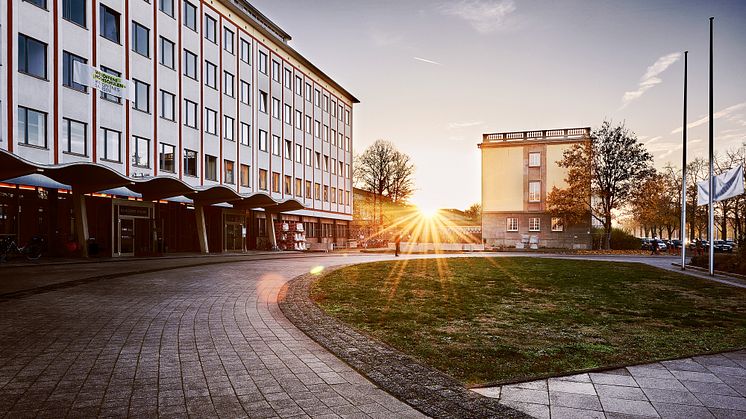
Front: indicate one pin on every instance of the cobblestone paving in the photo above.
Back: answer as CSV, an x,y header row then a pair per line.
x,y
202,342
712,386
430,391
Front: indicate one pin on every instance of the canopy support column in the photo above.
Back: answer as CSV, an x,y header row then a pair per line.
x,y
271,231
81,222
199,212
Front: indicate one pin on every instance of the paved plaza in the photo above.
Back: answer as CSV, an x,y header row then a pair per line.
x,y
101,339
712,386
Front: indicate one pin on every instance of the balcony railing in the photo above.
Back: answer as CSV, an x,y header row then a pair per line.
x,y
551,134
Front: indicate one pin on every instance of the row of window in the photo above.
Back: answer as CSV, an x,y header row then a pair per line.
x,y
315,191
534,224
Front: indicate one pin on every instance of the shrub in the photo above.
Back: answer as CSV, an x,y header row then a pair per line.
x,y
620,239
728,262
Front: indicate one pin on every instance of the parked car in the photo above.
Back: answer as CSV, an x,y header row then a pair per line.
x,y
721,246
675,244
647,244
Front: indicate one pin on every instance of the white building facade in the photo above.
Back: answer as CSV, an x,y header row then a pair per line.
x,y
217,98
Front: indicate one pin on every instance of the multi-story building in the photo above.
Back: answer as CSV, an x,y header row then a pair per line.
x,y
218,114
519,169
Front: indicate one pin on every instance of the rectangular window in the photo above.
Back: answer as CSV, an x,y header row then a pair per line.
x,y
190,64
228,40
142,96
309,124
325,133
512,224
326,163
112,144
263,179
348,173
534,224
228,172
245,175
190,163
334,109
275,108
211,29
288,149
167,53
74,11
341,168
309,92
333,137
309,162
262,101
341,111
68,69
262,62
109,24
325,103
275,71
167,7
298,153
211,121
211,75
140,39
275,145
558,224
317,191
75,134
168,101
288,80
333,166
190,16
287,114
167,158
298,187
32,127
347,117
288,185
190,113
262,140
245,134
245,51
32,57
326,193
534,159
298,119
298,85
316,97
348,144
245,93
211,167
228,124
141,158
228,81
534,191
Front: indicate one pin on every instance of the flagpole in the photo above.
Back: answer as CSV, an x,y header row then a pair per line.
x,y
711,221
682,236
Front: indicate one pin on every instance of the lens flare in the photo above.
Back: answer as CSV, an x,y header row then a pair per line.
x,y
317,270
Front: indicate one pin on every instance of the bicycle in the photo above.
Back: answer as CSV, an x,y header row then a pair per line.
x,y
32,250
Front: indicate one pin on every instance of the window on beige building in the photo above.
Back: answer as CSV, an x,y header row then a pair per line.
x,y
557,224
534,224
512,224
534,159
534,191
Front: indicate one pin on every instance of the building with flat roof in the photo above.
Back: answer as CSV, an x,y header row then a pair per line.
x,y
168,125
519,169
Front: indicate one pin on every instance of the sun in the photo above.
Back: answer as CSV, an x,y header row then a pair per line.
x,y
427,212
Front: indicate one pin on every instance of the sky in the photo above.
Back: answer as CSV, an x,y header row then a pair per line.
x,y
433,76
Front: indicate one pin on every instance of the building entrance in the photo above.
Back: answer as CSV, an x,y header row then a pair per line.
x,y
133,229
235,233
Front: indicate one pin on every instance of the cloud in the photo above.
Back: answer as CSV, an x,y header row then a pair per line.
x,y
485,16
467,124
427,61
717,115
650,79
652,140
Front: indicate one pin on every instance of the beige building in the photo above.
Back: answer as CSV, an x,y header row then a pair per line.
x,y
519,169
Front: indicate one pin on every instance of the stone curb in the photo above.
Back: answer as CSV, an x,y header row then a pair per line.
x,y
427,390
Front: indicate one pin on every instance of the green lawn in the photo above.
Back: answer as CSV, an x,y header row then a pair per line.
x,y
484,320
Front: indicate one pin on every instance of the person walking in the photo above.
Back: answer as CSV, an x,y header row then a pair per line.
x,y
654,247
397,241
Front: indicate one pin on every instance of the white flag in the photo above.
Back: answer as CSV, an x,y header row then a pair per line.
x,y
107,83
727,185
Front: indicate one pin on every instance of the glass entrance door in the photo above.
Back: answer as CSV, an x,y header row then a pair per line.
x,y
233,237
126,237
